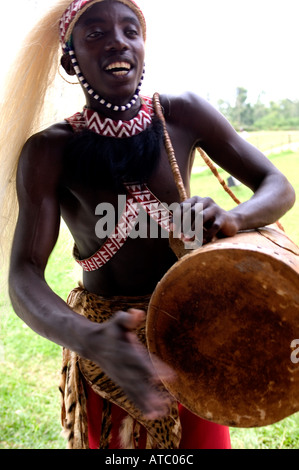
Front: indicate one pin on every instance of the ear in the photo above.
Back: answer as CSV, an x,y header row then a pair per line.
x,y
67,64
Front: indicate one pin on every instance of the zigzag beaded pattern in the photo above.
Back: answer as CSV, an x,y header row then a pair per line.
x,y
152,206
141,196
119,129
108,127
115,240
69,15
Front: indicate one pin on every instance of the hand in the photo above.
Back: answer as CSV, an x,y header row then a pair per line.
x,y
203,219
127,363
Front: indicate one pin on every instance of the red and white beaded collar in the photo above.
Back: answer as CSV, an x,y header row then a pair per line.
x,y
90,119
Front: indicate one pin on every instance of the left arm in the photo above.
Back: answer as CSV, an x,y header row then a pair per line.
x,y
273,195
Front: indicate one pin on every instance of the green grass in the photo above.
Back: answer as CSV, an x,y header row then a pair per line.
x,y
267,140
204,183
29,364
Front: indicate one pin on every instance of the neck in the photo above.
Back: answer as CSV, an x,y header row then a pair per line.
x,y
109,113
99,160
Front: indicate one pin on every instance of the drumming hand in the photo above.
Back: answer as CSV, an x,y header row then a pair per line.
x,y
202,218
128,364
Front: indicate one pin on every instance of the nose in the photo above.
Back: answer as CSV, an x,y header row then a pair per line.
x,y
117,41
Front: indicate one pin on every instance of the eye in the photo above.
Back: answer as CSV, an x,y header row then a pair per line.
x,y
95,34
132,32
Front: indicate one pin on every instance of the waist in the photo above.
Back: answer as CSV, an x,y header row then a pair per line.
x,y
130,273
99,308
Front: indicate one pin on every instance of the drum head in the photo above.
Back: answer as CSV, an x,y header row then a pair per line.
x,y
224,319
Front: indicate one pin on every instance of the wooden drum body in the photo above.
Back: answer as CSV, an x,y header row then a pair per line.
x,y
224,317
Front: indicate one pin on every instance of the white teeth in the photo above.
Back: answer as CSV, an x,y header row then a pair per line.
x,y
119,65
120,72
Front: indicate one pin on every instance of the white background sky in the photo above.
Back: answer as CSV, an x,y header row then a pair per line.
x,y
210,47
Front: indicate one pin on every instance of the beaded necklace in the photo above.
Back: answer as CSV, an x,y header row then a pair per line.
x,y
92,120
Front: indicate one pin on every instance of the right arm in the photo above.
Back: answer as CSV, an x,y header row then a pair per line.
x,y
110,345
35,236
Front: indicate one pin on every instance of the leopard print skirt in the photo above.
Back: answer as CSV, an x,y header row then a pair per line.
x,y
164,433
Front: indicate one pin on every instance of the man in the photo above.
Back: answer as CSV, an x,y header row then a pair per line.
x,y
109,400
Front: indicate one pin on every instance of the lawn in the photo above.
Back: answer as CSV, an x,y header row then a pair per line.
x,y
29,373
204,183
268,140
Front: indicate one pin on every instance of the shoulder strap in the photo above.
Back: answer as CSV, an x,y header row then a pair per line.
x,y
150,203
141,196
114,242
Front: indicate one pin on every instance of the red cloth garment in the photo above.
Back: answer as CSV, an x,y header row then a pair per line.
x,y
197,433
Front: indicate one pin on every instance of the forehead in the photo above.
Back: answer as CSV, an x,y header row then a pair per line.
x,y
105,12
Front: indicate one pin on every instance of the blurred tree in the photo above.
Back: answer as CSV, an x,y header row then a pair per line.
x,y
246,116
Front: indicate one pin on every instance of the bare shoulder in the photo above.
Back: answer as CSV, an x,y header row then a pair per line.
x,y
185,106
50,140
195,114
41,159
45,149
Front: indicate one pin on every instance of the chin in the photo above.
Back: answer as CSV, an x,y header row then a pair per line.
x,y
118,90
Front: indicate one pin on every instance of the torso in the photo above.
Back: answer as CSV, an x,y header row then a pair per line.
x,y
137,267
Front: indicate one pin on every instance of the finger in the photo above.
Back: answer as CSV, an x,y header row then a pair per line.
x,y
152,399
195,231
212,225
136,315
157,406
178,214
137,312
164,371
183,219
131,319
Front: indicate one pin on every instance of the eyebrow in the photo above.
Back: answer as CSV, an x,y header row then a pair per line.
x,y
125,19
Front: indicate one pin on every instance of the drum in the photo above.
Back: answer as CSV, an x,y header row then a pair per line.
x,y
225,318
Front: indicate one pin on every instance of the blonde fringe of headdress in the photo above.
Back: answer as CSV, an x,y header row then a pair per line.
x,y
22,106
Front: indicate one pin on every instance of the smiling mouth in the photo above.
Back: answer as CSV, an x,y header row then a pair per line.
x,y
119,68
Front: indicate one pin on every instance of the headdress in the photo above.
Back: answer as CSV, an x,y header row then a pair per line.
x,y
76,10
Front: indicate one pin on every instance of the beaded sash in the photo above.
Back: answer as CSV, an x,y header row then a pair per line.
x,y
139,195
143,198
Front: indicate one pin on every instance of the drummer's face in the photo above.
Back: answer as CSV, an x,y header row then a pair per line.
x,y
109,47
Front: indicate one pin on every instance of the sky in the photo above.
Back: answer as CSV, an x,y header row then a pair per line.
x,y
210,47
